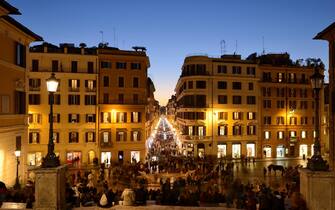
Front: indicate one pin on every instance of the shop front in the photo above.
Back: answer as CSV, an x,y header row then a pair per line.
x,y
222,150
267,151
135,156
201,150
303,150
236,151
251,150
280,151
106,158
73,158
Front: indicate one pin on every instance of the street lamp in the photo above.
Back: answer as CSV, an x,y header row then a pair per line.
x,y
17,155
316,162
51,160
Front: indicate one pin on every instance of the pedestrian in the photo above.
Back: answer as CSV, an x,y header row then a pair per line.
x,y
264,171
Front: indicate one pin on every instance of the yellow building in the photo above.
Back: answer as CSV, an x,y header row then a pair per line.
x,y
14,39
217,107
123,100
75,110
287,107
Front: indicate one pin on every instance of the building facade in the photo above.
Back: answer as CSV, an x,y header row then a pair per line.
x,y
261,107
217,106
14,41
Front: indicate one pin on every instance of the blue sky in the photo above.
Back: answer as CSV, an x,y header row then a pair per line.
x,y
173,29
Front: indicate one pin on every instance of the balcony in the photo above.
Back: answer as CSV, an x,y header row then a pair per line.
x,y
106,144
90,90
74,89
34,88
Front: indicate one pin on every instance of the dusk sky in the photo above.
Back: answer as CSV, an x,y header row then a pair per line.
x,y
171,30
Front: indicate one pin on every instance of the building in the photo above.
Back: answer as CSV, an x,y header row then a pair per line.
x,y
258,107
328,34
217,107
287,107
123,99
75,104
14,41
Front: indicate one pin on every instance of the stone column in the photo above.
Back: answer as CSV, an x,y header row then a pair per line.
x,y
318,189
331,109
50,188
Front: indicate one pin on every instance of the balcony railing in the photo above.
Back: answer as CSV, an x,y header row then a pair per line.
x,y
90,89
74,89
34,88
106,144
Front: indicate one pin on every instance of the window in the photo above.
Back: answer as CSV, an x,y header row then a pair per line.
x,y
223,115
292,92
90,118
293,134
106,81
20,55
135,117
292,104
135,66
251,130
106,137
280,120
90,99
55,137
251,115
35,118
20,102
90,136
190,84
251,70
251,99
280,77
303,134
106,117
304,120
280,92
56,99
73,137
121,117
74,118
237,70
237,99
121,65
135,135
106,98
293,120
121,135
121,82
55,118
74,84
237,130
237,115
266,103
34,159
222,99
34,137
280,104
135,82
222,69
267,135
34,65
251,86
121,98
54,66
237,85
267,120
266,91
34,84
267,77
222,85
200,84
34,99
4,104
223,130
303,93
303,105
135,98
74,66
280,135
292,77
74,99
90,67
105,64
90,85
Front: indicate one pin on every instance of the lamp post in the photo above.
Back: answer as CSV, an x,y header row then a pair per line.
x,y
17,155
51,160
316,162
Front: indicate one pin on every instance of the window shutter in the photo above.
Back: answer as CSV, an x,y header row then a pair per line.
x,y
69,118
125,117
38,138
58,118
86,137
94,83
30,138
139,117
78,83
86,83
78,119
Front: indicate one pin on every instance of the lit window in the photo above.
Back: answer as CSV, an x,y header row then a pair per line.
x,y
303,134
267,134
280,134
292,133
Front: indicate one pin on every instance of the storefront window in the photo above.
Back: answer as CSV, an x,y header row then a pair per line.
x,y
34,159
73,158
303,150
251,150
222,150
236,150
135,156
106,157
267,151
280,151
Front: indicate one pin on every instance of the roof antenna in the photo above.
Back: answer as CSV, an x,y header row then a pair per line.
x,y
263,52
102,36
223,47
235,47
